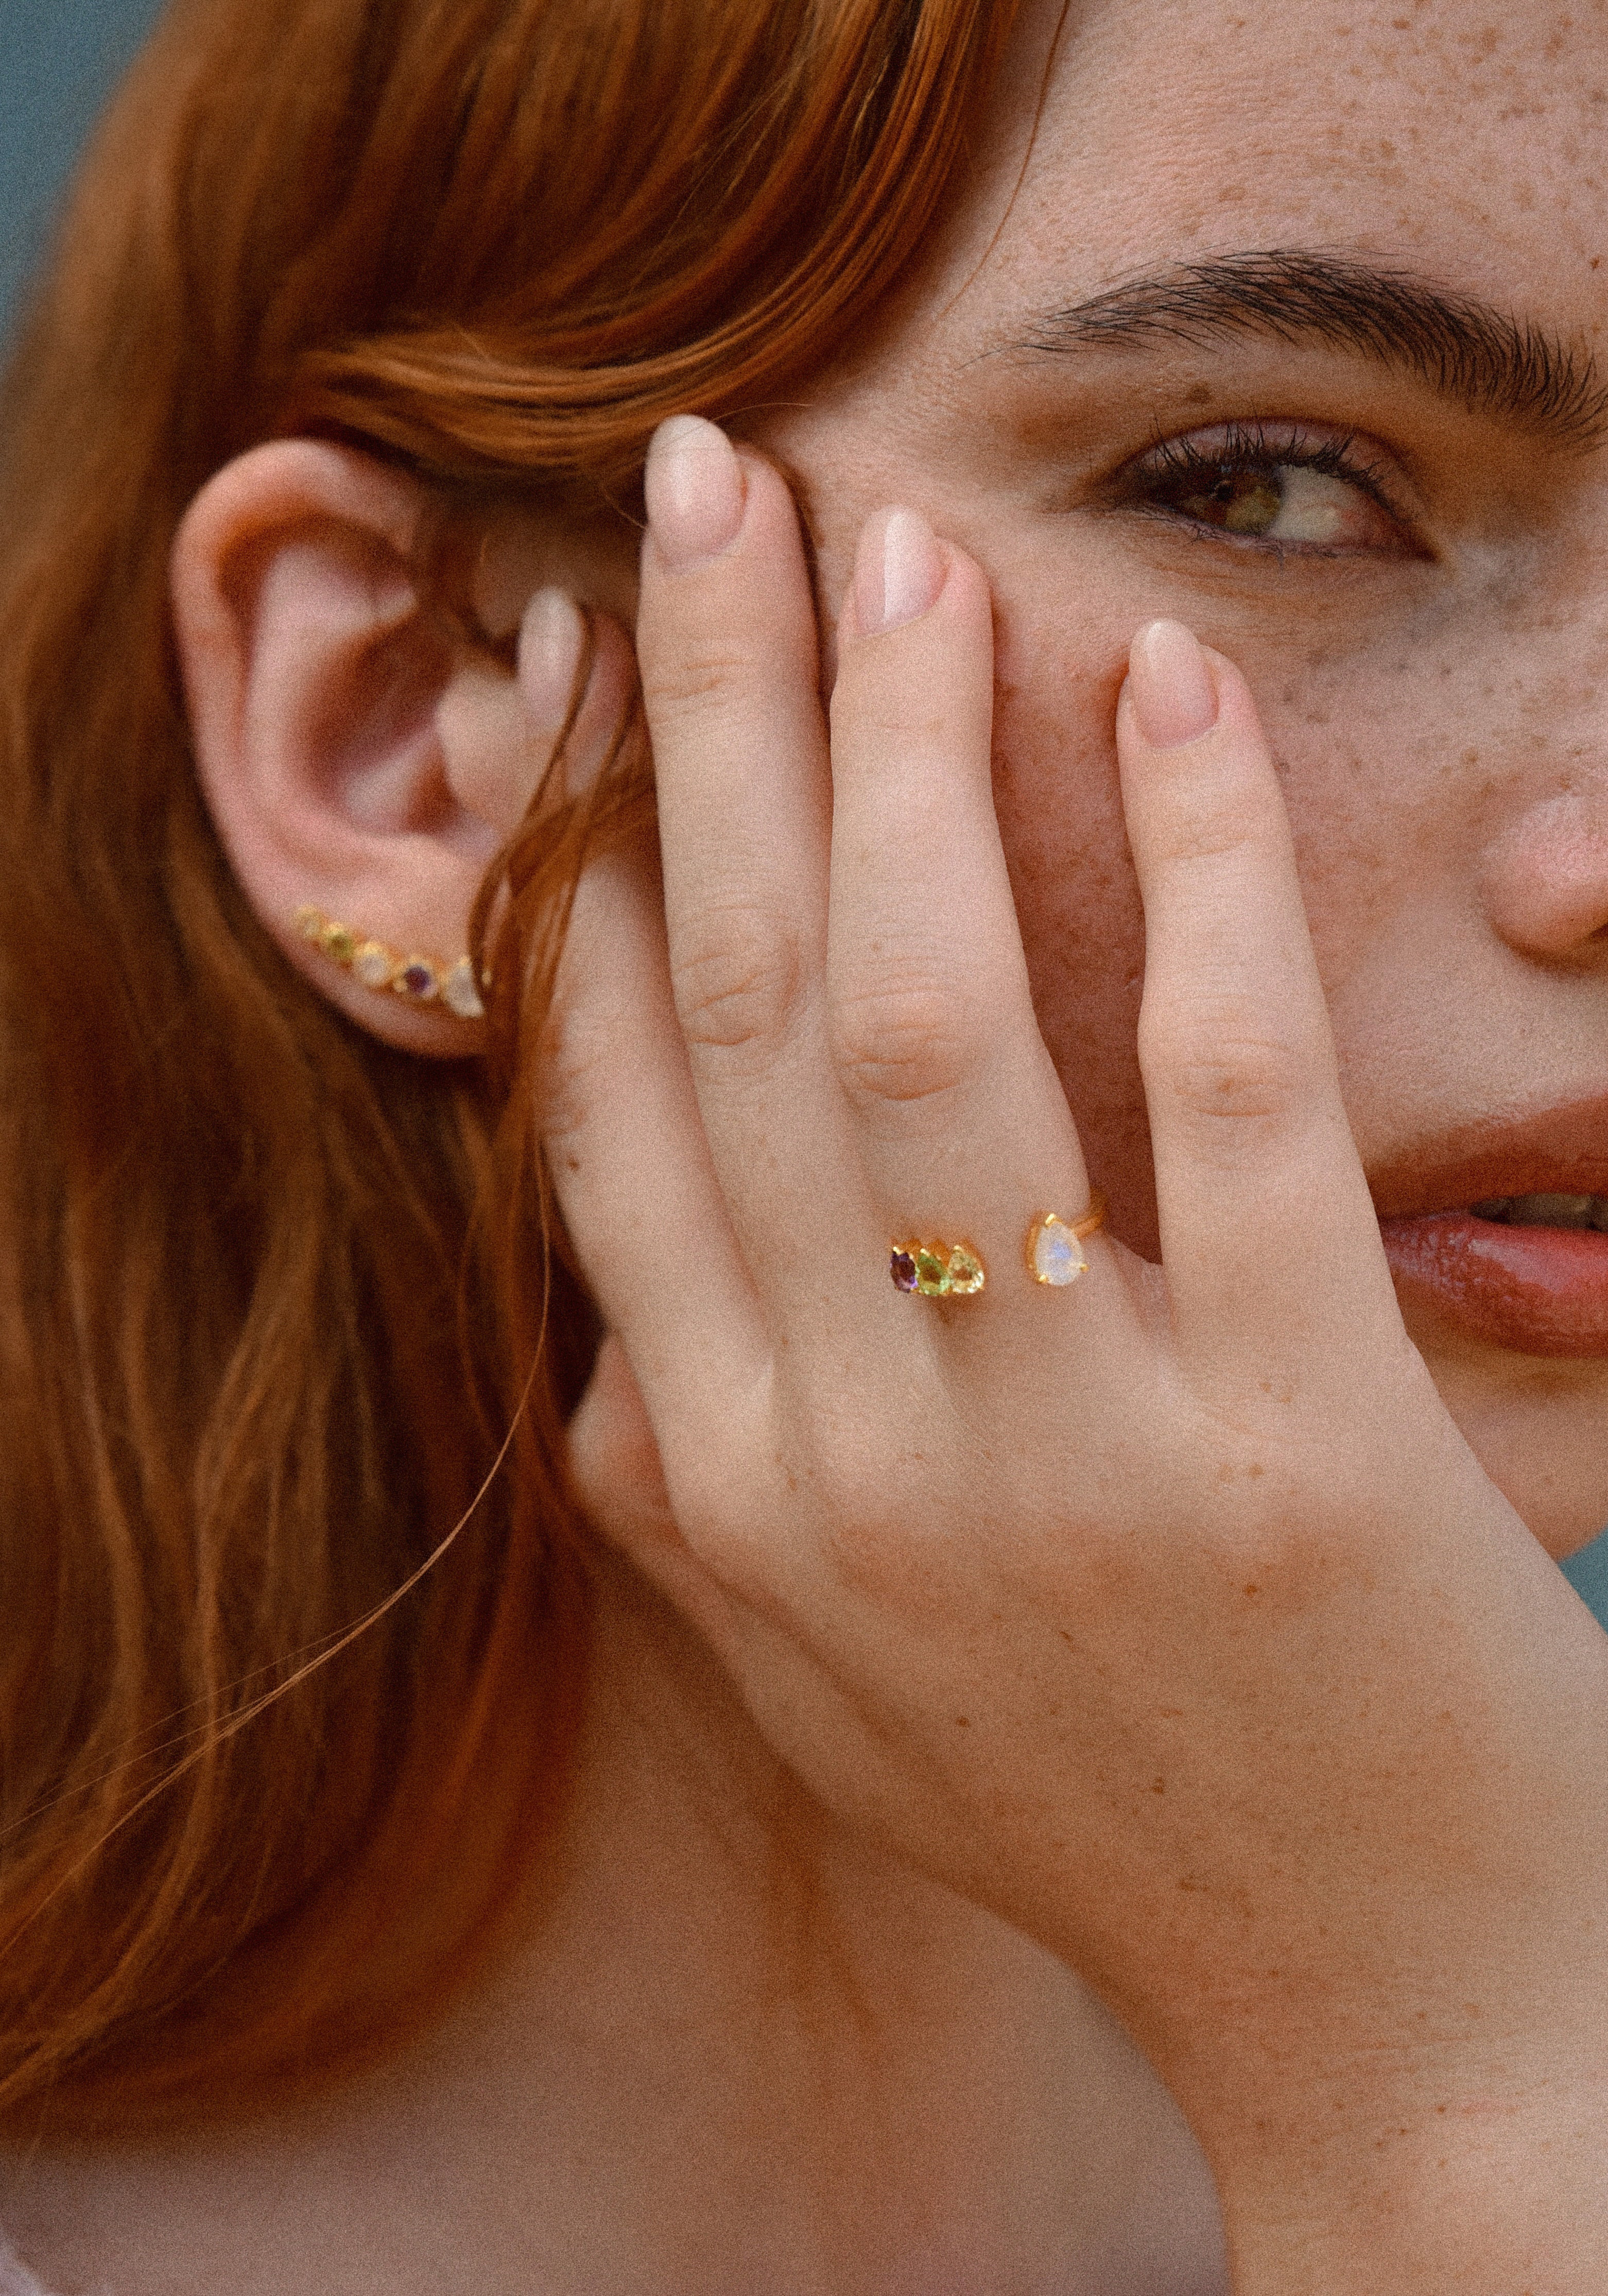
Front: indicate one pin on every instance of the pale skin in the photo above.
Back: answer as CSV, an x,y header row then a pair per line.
x,y
1185,1640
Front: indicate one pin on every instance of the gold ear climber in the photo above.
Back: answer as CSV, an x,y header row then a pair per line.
x,y
416,980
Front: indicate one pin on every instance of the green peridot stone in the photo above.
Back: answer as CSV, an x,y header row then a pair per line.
x,y
932,1274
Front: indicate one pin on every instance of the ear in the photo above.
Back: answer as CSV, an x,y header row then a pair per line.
x,y
356,758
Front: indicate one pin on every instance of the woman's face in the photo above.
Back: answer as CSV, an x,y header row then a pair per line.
x,y
1288,334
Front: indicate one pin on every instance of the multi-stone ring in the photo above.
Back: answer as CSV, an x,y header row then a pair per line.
x,y
955,1271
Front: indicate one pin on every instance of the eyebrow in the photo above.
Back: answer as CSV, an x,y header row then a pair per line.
x,y
1464,349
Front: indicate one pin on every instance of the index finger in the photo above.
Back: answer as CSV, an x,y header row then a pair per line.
x,y
1270,1239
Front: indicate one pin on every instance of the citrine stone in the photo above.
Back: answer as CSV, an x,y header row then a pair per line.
x,y
338,944
965,1272
1056,1255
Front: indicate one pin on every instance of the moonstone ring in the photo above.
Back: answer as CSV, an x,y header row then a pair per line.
x,y
1054,1246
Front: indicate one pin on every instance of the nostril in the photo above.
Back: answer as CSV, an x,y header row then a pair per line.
x,y
1544,876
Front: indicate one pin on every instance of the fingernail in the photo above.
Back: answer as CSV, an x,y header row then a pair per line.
x,y
899,571
1171,685
551,635
695,491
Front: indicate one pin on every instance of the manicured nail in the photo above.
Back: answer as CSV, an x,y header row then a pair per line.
x,y
551,635
1171,685
898,572
695,491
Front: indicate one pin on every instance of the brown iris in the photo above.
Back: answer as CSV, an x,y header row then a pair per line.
x,y
1239,501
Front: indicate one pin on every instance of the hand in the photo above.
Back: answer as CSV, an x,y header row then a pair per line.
x,y
1168,1614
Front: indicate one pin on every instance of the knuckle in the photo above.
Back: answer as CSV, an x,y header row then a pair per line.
x,y
686,682
1223,1069
1214,817
738,979
900,1042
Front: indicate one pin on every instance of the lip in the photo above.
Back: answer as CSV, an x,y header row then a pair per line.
x,y
1537,1290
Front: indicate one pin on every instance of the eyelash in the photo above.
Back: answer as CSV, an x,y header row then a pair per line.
x,y
1238,446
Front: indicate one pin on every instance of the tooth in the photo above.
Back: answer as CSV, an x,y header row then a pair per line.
x,y
1553,1211
1493,1208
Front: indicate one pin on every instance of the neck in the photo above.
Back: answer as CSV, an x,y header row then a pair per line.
x,y
740,2049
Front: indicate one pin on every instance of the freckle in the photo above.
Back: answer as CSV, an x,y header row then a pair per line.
x,y
1225,1474
1160,1786
1252,1589
1471,757
963,1721
1255,1469
1201,395
572,1163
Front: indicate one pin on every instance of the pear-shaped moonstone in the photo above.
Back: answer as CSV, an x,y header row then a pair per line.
x,y
1058,1256
459,991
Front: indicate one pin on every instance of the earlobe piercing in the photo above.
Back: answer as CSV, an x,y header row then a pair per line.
x,y
416,980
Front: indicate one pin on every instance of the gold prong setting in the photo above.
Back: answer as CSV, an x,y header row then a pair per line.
x,y
416,978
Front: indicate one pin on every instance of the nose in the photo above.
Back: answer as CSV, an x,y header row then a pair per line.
x,y
1545,881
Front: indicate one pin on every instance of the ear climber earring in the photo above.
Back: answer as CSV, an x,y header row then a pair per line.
x,y
416,980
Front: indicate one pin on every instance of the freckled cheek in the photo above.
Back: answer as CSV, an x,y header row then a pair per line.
x,y
1375,760
1362,751
1082,926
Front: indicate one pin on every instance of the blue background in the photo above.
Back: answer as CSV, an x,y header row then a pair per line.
x,y
61,57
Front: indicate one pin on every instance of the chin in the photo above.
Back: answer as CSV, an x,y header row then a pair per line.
x,y
1538,1425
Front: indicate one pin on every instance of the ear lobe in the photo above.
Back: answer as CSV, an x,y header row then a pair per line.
x,y
319,693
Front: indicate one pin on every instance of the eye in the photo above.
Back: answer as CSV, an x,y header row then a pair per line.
x,y
1282,487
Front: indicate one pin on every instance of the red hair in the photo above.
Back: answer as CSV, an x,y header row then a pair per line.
x,y
495,242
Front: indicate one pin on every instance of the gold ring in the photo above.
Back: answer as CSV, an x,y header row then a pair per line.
x,y
938,1271
1054,1246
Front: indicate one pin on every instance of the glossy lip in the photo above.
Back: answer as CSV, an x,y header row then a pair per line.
x,y
1537,1290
